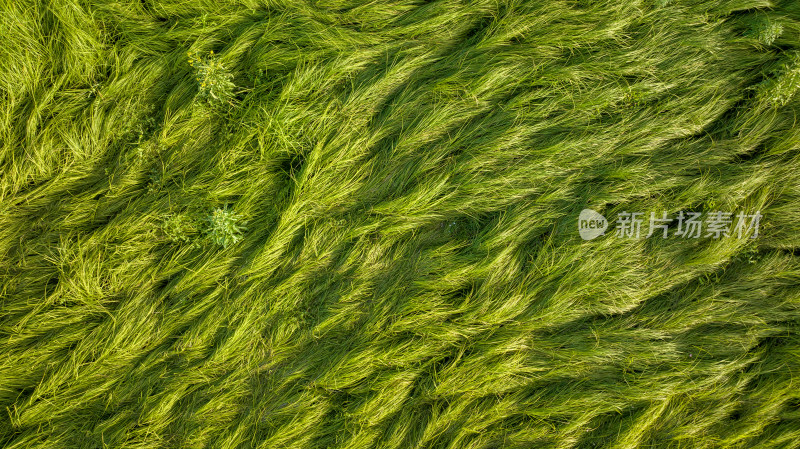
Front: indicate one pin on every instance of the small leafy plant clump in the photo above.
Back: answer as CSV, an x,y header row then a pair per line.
x,y
224,227
764,30
221,227
784,83
215,82
634,98
178,228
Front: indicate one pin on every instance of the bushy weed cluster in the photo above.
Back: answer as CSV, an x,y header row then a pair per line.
x,y
783,84
215,81
222,227
764,30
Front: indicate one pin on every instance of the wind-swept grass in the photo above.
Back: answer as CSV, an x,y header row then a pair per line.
x,y
352,224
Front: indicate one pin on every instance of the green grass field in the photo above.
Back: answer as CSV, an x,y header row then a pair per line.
x,y
355,224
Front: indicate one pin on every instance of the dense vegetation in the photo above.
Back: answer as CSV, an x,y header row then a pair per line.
x,y
352,224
